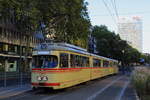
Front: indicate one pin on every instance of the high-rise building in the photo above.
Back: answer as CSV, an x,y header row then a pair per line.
x,y
130,29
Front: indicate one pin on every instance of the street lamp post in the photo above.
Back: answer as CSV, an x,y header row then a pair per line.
x,y
122,63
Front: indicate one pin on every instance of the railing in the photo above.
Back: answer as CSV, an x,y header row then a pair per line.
x,y
14,78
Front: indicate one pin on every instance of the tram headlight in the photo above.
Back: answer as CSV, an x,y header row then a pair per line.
x,y
45,78
39,78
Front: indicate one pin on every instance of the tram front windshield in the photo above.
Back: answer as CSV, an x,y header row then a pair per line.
x,y
45,61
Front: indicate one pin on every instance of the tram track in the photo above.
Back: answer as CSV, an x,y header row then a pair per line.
x,y
95,88
73,90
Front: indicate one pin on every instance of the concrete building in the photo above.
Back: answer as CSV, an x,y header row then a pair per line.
x,y
15,48
130,29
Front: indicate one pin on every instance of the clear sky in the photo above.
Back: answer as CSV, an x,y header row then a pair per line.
x,y
99,15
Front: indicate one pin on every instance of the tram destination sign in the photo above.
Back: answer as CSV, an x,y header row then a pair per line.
x,y
43,52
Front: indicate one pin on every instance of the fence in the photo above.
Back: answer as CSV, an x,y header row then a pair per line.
x,y
14,78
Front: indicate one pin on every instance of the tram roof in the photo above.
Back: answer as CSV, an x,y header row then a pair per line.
x,y
58,46
66,47
103,57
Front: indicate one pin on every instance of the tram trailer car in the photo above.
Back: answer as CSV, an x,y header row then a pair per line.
x,y
61,65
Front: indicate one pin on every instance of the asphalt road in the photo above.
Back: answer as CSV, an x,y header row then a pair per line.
x,y
109,88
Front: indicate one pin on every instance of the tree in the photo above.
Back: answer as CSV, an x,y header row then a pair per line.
x,y
110,45
68,19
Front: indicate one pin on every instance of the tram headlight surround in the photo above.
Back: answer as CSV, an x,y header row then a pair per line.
x,y
39,78
45,78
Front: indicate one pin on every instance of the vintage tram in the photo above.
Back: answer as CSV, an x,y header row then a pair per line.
x,y
61,65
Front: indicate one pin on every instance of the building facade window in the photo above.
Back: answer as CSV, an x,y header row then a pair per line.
x,y
2,65
12,49
5,48
1,47
11,65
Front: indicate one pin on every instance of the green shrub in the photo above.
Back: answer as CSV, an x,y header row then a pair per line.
x,y
141,80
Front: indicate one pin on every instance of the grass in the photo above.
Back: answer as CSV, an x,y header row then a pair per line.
x,y
141,82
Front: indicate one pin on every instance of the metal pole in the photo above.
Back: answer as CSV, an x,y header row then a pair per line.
x,y
20,62
21,79
5,75
5,78
20,67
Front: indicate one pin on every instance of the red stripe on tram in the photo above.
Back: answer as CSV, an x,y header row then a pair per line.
x,y
46,84
71,68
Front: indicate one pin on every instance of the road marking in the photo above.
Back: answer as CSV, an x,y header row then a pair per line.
x,y
49,97
102,90
123,90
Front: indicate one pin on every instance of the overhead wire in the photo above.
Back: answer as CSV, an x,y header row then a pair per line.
x,y
115,8
111,14
128,13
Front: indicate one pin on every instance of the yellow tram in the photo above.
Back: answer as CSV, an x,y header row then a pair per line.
x,y
61,65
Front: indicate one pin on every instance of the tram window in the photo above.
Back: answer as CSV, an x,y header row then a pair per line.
x,y
77,61
80,61
45,61
73,60
111,64
64,60
86,61
115,64
105,63
96,63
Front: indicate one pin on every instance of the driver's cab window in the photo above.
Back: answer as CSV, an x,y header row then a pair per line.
x,y
64,60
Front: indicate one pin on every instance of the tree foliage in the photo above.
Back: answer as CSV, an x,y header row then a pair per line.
x,y
69,18
146,58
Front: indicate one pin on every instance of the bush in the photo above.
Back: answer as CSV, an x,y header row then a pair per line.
x,y
141,81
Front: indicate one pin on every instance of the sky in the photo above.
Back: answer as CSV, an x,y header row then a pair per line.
x,y
99,15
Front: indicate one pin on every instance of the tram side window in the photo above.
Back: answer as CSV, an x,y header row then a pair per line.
x,y
73,60
105,63
111,64
64,60
96,63
115,64
79,61
86,60
77,64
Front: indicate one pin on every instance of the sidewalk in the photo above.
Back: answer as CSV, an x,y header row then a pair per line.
x,y
13,90
130,93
